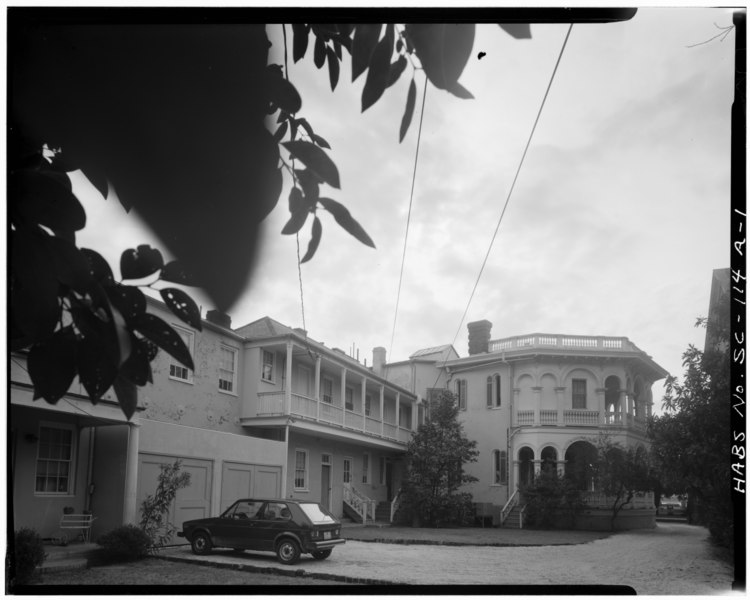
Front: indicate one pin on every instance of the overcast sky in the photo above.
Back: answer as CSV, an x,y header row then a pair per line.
x,y
619,215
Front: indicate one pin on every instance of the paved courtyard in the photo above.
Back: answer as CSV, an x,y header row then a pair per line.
x,y
674,558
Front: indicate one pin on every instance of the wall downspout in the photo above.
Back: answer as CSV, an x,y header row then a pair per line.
x,y
285,473
90,468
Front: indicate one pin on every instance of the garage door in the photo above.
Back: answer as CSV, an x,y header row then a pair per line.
x,y
245,480
192,502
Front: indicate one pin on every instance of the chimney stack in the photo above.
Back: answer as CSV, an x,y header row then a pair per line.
x,y
378,360
219,318
479,336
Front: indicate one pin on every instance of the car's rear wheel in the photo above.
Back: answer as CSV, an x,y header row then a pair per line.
x,y
288,551
201,543
322,554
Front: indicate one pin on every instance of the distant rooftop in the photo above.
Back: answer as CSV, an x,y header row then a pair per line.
x,y
429,351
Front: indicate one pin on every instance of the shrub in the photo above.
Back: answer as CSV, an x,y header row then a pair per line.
x,y
551,501
28,553
125,543
155,508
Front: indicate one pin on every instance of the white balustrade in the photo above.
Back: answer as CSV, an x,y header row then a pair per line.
x,y
390,431
525,417
579,416
303,406
331,414
548,417
353,420
270,403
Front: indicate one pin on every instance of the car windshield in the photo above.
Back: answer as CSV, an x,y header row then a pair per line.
x,y
317,514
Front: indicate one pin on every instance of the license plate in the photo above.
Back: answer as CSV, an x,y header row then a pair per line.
x,y
326,535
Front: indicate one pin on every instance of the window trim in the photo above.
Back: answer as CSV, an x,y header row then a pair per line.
x,y
178,365
349,392
70,491
497,384
382,462
368,404
347,472
323,381
462,389
499,475
263,363
235,363
306,471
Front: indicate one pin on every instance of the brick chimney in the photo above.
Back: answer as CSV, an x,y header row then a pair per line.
x,y
378,360
479,336
219,318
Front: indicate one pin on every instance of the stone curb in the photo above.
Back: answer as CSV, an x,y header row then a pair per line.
x,y
278,571
416,542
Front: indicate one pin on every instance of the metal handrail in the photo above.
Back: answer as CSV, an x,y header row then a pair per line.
x,y
361,504
394,504
509,505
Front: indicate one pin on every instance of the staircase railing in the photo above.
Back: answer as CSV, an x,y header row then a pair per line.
x,y
394,504
509,506
520,516
360,503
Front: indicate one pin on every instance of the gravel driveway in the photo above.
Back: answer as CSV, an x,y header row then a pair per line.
x,y
674,558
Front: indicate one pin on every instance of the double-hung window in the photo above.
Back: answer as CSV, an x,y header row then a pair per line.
x,y
347,469
499,467
266,372
365,468
54,460
579,393
349,399
461,393
300,470
227,369
327,391
178,370
498,388
368,404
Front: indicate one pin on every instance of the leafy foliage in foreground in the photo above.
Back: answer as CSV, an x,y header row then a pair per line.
x,y
436,455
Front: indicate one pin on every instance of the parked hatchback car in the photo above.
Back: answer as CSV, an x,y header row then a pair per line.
x,y
671,507
287,527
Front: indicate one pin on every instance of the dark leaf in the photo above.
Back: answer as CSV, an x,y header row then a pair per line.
x,y
344,218
345,30
128,300
443,49
365,39
96,369
137,368
175,272
333,68
520,31
317,230
305,125
345,41
337,48
283,116
282,93
299,45
45,197
296,221
98,267
294,127
161,334
310,183
127,395
34,302
411,99
71,264
320,51
458,90
316,160
377,75
183,306
320,141
99,181
52,365
296,201
395,70
281,131
399,44
141,262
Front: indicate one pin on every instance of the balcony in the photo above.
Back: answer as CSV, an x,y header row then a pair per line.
x,y
562,342
577,418
271,404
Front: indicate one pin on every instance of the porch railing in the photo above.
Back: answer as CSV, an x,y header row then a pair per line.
x,y
395,504
361,504
509,506
548,417
640,500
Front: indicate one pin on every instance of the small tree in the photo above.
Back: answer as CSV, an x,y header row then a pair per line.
x,y
620,472
155,508
435,457
550,498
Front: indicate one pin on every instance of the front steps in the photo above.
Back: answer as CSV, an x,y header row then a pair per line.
x,y
513,521
66,558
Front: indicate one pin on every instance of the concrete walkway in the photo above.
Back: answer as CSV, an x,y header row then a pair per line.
x,y
671,559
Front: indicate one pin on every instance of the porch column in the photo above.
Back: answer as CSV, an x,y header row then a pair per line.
x,y
398,412
364,404
514,416
560,391
129,505
561,467
515,474
414,415
382,401
623,406
537,405
288,395
537,466
343,395
602,407
317,387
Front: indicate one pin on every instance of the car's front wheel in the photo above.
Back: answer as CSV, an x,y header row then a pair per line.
x,y
322,554
201,543
288,552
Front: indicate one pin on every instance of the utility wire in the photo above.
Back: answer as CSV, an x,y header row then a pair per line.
x,y
510,192
408,216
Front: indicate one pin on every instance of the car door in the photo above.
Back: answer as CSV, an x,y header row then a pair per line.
x,y
236,528
274,518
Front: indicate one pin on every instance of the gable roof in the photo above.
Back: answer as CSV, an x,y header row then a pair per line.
x,y
263,328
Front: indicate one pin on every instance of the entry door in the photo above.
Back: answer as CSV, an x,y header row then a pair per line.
x,y
389,480
325,486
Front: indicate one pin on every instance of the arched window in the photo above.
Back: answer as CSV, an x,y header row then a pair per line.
x,y
461,393
489,392
499,467
498,395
